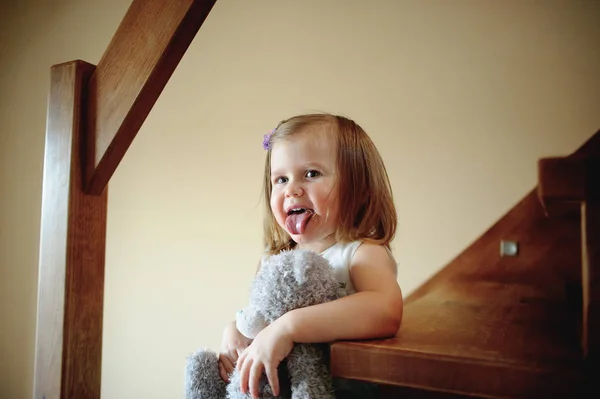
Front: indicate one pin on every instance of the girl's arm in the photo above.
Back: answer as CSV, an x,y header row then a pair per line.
x,y
374,311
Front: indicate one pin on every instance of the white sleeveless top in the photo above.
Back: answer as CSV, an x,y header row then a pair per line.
x,y
340,257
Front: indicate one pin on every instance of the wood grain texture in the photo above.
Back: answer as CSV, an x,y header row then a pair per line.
x,y
493,326
72,248
147,47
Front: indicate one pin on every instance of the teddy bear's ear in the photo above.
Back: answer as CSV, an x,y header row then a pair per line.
x,y
249,322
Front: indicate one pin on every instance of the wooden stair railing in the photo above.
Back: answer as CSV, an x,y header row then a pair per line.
x,y
93,116
503,326
140,59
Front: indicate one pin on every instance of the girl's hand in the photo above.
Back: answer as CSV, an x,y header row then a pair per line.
x,y
269,348
232,345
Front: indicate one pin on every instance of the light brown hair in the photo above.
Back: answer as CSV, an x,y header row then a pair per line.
x,y
367,210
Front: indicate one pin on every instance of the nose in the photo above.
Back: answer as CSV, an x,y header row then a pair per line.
x,y
293,189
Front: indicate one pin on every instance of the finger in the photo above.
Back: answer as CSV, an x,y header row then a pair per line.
x,y
244,375
272,376
240,360
228,364
223,373
232,354
255,374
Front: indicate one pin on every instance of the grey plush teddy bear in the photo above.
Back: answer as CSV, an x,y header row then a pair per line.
x,y
286,281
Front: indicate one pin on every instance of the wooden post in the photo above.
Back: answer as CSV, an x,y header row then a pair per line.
x,y
72,248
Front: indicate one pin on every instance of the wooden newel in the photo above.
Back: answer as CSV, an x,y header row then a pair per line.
x,y
72,248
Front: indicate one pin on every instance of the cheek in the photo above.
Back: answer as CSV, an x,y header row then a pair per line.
x,y
276,203
330,197
334,206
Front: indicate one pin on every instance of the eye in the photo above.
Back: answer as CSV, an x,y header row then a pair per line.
x,y
280,180
311,174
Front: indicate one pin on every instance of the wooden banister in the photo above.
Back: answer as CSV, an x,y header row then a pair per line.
x,y
93,115
140,59
502,326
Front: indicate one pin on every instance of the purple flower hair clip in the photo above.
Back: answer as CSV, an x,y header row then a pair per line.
x,y
267,140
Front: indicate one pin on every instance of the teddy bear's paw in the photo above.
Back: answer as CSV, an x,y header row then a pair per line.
x,y
234,391
310,377
202,379
233,388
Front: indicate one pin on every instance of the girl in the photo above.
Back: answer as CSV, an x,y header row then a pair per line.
x,y
327,190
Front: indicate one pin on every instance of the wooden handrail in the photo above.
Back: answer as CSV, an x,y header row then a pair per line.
x,y
140,59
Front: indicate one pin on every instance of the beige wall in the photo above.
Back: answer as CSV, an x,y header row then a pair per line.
x,y
449,92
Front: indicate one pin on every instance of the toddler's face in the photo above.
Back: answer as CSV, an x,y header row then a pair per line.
x,y
304,198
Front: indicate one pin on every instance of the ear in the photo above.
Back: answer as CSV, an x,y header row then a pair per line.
x,y
249,322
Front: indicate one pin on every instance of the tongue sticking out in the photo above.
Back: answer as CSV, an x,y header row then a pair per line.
x,y
296,222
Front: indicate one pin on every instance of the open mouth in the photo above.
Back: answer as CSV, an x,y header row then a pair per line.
x,y
298,219
297,211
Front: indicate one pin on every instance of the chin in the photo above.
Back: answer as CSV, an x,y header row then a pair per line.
x,y
307,239
300,238
303,239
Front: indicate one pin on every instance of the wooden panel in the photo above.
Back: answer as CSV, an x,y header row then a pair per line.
x,y
135,68
72,245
